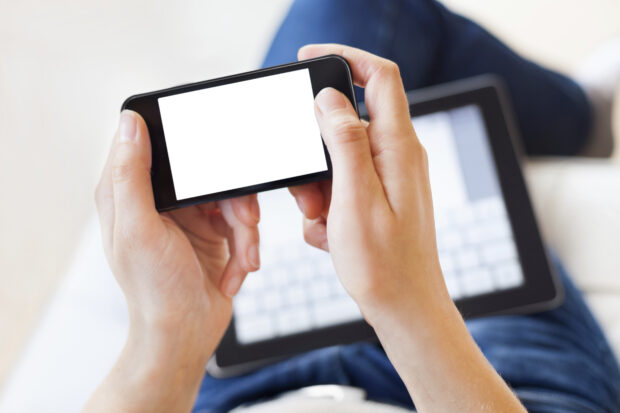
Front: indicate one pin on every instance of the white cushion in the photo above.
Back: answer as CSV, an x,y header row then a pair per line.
x,y
577,202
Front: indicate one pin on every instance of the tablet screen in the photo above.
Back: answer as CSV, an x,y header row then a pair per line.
x,y
477,250
297,289
242,134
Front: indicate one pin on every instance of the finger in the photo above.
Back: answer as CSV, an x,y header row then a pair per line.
x,y
246,209
134,206
393,142
232,278
233,275
218,223
243,243
104,200
194,221
309,198
315,233
345,136
384,95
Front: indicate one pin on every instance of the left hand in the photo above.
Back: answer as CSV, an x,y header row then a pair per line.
x,y
178,270
179,264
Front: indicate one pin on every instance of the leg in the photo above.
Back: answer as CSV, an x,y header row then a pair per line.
x,y
432,45
556,361
361,365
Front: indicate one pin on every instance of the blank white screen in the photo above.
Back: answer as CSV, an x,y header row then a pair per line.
x,y
242,134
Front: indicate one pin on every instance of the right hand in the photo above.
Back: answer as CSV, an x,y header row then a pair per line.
x,y
376,216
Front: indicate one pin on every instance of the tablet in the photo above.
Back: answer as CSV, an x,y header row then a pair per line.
x,y
491,252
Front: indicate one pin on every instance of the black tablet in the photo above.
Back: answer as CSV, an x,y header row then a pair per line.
x,y
491,252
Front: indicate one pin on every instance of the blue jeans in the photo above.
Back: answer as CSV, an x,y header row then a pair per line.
x,y
556,361
432,45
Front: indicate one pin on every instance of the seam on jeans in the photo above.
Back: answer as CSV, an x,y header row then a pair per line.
x,y
338,368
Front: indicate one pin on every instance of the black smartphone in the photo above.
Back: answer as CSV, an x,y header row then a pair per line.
x,y
239,134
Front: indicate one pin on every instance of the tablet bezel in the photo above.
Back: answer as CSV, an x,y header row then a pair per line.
x,y
326,71
541,289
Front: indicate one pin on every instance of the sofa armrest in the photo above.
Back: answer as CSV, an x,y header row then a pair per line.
x,y
577,204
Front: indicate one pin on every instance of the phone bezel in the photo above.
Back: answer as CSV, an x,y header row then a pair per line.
x,y
326,71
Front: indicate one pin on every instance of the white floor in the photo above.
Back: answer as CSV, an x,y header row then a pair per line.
x,y
66,66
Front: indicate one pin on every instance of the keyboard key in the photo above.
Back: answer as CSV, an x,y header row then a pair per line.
x,y
304,272
278,277
336,311
293,320
294,295
325,266
508,275
253,282
491,207
476,281
245,304
452,240
498,252
271,300
250,329
463,216
492,230
320,289
467,258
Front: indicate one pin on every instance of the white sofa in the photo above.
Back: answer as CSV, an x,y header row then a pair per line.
x,y
76,342
577,203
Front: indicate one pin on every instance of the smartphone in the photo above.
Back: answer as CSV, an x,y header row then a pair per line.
x,y
239,134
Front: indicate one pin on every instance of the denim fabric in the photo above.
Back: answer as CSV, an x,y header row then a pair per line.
x,y
555,361
433,45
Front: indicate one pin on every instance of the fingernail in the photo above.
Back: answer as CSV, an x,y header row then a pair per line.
x,y
254,256
301,205
233,286
255,209
329,99
128,127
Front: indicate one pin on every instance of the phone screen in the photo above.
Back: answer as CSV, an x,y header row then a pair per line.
x,y
242,134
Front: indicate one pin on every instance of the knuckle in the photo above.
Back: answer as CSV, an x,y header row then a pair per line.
x,y
417,148
389,69
308,236
348,129
133,238
393,68
420,154
122,172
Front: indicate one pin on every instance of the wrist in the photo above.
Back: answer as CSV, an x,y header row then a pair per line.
x,y
159,370
165,339
413,300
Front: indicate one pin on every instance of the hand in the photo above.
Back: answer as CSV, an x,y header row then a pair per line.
x,y
376,219
376,216
178,270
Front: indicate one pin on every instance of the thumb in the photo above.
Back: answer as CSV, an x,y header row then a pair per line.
x,y
131,174
347,142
